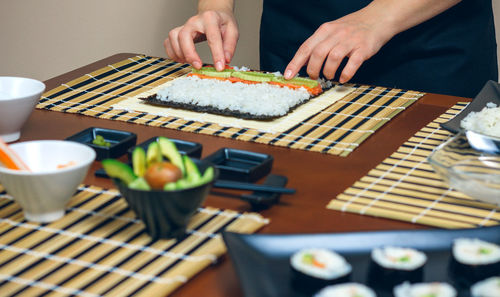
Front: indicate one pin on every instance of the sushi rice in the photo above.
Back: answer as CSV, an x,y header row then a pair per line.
x,y
398,258
486,121
487,288
258,99
424,290
346,290
475,251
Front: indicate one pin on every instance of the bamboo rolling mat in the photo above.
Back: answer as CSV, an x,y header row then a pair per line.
x,y
99,248
338,129
405,187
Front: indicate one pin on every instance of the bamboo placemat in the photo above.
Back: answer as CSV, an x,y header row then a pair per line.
x,y
99,248
336,130
405,187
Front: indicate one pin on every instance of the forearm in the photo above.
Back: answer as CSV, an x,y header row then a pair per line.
x,y
218,5
396,16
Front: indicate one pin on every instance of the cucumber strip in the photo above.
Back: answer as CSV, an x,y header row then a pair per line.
x,y
253,76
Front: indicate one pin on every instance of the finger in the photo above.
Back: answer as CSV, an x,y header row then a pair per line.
x,y
187,48
355,61
170,51
173,37
335,57
302,56
214,40
317,58
230,39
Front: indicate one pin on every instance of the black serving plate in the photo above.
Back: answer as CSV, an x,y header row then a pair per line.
x,y
489,93
262,261
120,141
192,149
241,165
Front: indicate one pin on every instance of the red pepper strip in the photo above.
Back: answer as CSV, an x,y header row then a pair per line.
x,y
318,264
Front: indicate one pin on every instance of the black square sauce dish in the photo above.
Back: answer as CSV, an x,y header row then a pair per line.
x,y
241,165
107,143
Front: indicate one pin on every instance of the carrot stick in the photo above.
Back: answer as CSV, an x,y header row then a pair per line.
x,y
10,159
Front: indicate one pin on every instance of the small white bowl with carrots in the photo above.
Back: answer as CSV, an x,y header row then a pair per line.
x,y
42,175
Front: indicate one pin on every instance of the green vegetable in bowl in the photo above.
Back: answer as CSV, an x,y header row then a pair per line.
x,y
100,141
119,170
150,171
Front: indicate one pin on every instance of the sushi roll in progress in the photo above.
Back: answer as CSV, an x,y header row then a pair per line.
x,y
474,260
346,290
393,265
487,288
424,290
237,92
313,269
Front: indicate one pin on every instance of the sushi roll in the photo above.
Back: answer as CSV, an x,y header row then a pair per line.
x,y
346,290
424,290
313,269
237,92
393,265
486,288
473,260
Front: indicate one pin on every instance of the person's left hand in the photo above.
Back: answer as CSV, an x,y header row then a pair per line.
x,y
356,36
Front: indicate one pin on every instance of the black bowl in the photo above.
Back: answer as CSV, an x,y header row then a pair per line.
x,y
166,214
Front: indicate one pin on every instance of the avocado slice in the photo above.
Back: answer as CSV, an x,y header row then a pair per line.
x,y
117,169
139,184
192,172
139,161
169,150
253,76
153,154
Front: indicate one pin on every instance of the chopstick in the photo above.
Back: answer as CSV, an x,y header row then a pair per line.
x,y
228,184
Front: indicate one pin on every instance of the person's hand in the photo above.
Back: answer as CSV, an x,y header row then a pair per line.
x,y
218,28
354,36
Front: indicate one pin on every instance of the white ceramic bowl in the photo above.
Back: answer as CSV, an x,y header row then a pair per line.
x,y
18,97
44,191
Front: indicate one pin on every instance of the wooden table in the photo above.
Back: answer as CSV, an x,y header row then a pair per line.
x,y
309,172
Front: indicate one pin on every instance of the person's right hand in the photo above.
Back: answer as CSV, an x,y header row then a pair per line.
x,y
218,28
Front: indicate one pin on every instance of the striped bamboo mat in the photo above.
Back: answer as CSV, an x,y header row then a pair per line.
x,y
99,248
405,187
337,130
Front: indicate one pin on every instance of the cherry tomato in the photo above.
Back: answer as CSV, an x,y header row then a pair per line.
x,y
159,174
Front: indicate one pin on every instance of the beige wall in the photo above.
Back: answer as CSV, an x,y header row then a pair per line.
x,y
45,38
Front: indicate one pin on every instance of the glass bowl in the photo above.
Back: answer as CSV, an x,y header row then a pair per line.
x,y
474,173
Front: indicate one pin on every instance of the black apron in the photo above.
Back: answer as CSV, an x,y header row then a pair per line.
x,y
453,53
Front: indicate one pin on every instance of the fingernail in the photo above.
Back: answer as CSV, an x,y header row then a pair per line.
x,y
197,64
219,66
228,57
288,74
